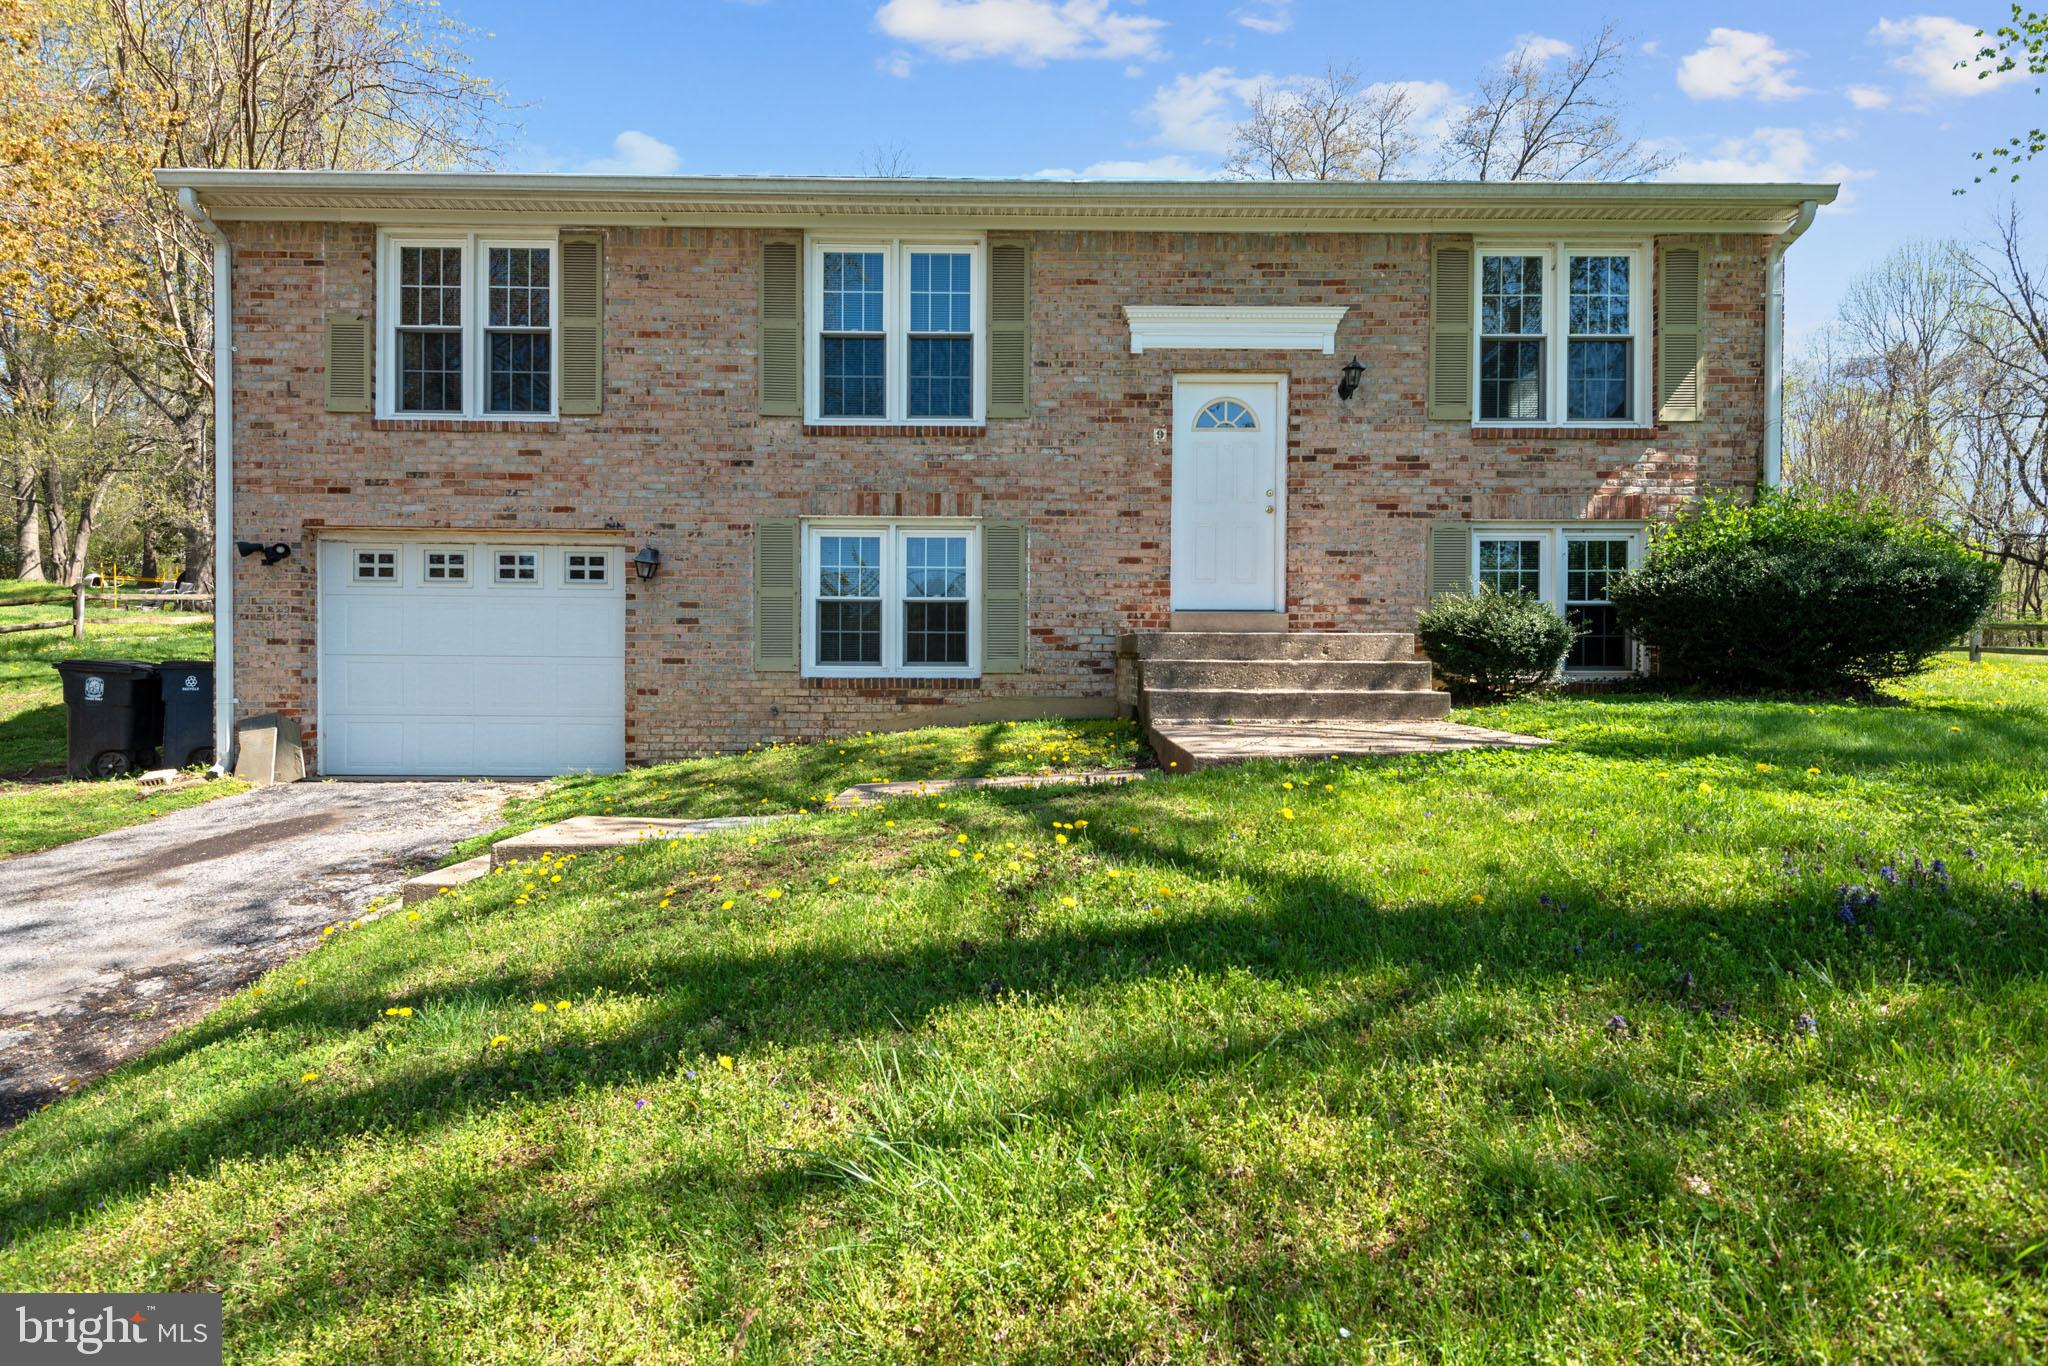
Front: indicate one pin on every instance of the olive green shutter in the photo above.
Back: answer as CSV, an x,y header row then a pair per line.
x,y
1679,316
782,329
1005,597
1450,557
348,363
775,595
582,323
1450,334
1009,330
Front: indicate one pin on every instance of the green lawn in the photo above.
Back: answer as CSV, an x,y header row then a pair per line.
x,y
38,814
1557,1054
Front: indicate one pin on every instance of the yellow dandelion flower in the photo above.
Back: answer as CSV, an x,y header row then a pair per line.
x,y
1059,839
1069,902
412,915
952,853
727,905
725,1061
1477,899
500,1040
561,1005
1763,768
310,1076
959,839
540,1007
979,856
1813,773
1286,813
773,894
833,881
301,982
1288,786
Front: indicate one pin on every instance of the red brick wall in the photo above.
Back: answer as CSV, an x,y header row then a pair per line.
x,y
681,459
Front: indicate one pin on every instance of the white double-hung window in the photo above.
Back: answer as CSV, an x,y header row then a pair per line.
x,y
896,332
1562,334
1569,566
897,599
467,326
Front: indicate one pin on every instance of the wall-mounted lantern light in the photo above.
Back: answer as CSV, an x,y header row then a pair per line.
x,y
647,562
272,553
1348,385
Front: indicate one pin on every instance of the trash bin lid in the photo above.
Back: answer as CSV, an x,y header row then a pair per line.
x,y
186,665
131,668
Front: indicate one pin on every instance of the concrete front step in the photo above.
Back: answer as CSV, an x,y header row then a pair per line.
x,y
427,886
1306,675
1292,704
1355,646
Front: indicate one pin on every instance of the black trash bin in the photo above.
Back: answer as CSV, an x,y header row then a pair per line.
x,y
187,692
113,714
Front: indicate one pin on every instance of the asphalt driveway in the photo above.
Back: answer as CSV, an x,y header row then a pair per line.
x,y
109,943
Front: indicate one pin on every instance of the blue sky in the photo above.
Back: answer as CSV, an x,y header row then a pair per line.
x,y
1779,91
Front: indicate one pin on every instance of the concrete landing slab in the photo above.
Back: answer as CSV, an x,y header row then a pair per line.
x,y
1185,746
427,886
580,834
864,793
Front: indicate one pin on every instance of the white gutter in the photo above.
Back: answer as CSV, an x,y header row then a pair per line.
x,y
223,485
1774,346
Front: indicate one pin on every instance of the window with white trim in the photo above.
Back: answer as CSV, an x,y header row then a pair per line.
x,y
896,332
376,566
587,568
1569,566
1560,334
516,566
443,567
467,326
891,599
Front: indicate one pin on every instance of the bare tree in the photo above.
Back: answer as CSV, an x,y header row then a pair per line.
x,y
887,161
1330,128
1535,120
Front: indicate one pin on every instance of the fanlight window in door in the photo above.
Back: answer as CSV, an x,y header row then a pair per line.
x,y
1225,414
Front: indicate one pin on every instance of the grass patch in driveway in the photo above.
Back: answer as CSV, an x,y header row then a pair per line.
x,y
775,778
1568,1053
37,809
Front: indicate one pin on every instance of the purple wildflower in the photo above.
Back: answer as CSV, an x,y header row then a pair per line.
x,y
1805,1026
1617,1027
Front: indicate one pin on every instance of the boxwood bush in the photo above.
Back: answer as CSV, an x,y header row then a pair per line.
x,y
1800,594
1495,644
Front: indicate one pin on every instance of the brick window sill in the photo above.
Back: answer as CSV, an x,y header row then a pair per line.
x,y
892,683
891,429
1565,433
484,425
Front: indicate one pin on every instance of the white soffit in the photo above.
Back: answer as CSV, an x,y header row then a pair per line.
x,y
1228,327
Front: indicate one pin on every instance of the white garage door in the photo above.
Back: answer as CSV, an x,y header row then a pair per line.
x,y
471,658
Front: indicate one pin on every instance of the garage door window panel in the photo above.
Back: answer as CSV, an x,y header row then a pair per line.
x,y
442,568
517,568
586,568
376,565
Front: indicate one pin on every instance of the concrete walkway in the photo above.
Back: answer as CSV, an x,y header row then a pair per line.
x,y
108,943
1186,746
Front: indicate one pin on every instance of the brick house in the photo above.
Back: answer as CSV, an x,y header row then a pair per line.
x,y
578,471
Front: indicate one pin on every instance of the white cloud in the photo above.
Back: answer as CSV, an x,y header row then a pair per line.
x,y
1929,46
1653,48
635,153
1868,97
1027,32
1197,112
1171,167
1266,16
896,64
1768,154
1735,63
1538,48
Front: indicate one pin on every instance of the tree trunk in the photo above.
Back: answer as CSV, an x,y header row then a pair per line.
x,y
198,569
147,569
28,524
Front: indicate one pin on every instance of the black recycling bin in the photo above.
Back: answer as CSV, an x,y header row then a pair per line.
x,y
113,714
186,687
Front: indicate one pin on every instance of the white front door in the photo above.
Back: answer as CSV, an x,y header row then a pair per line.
x,y
1228,486
464,656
